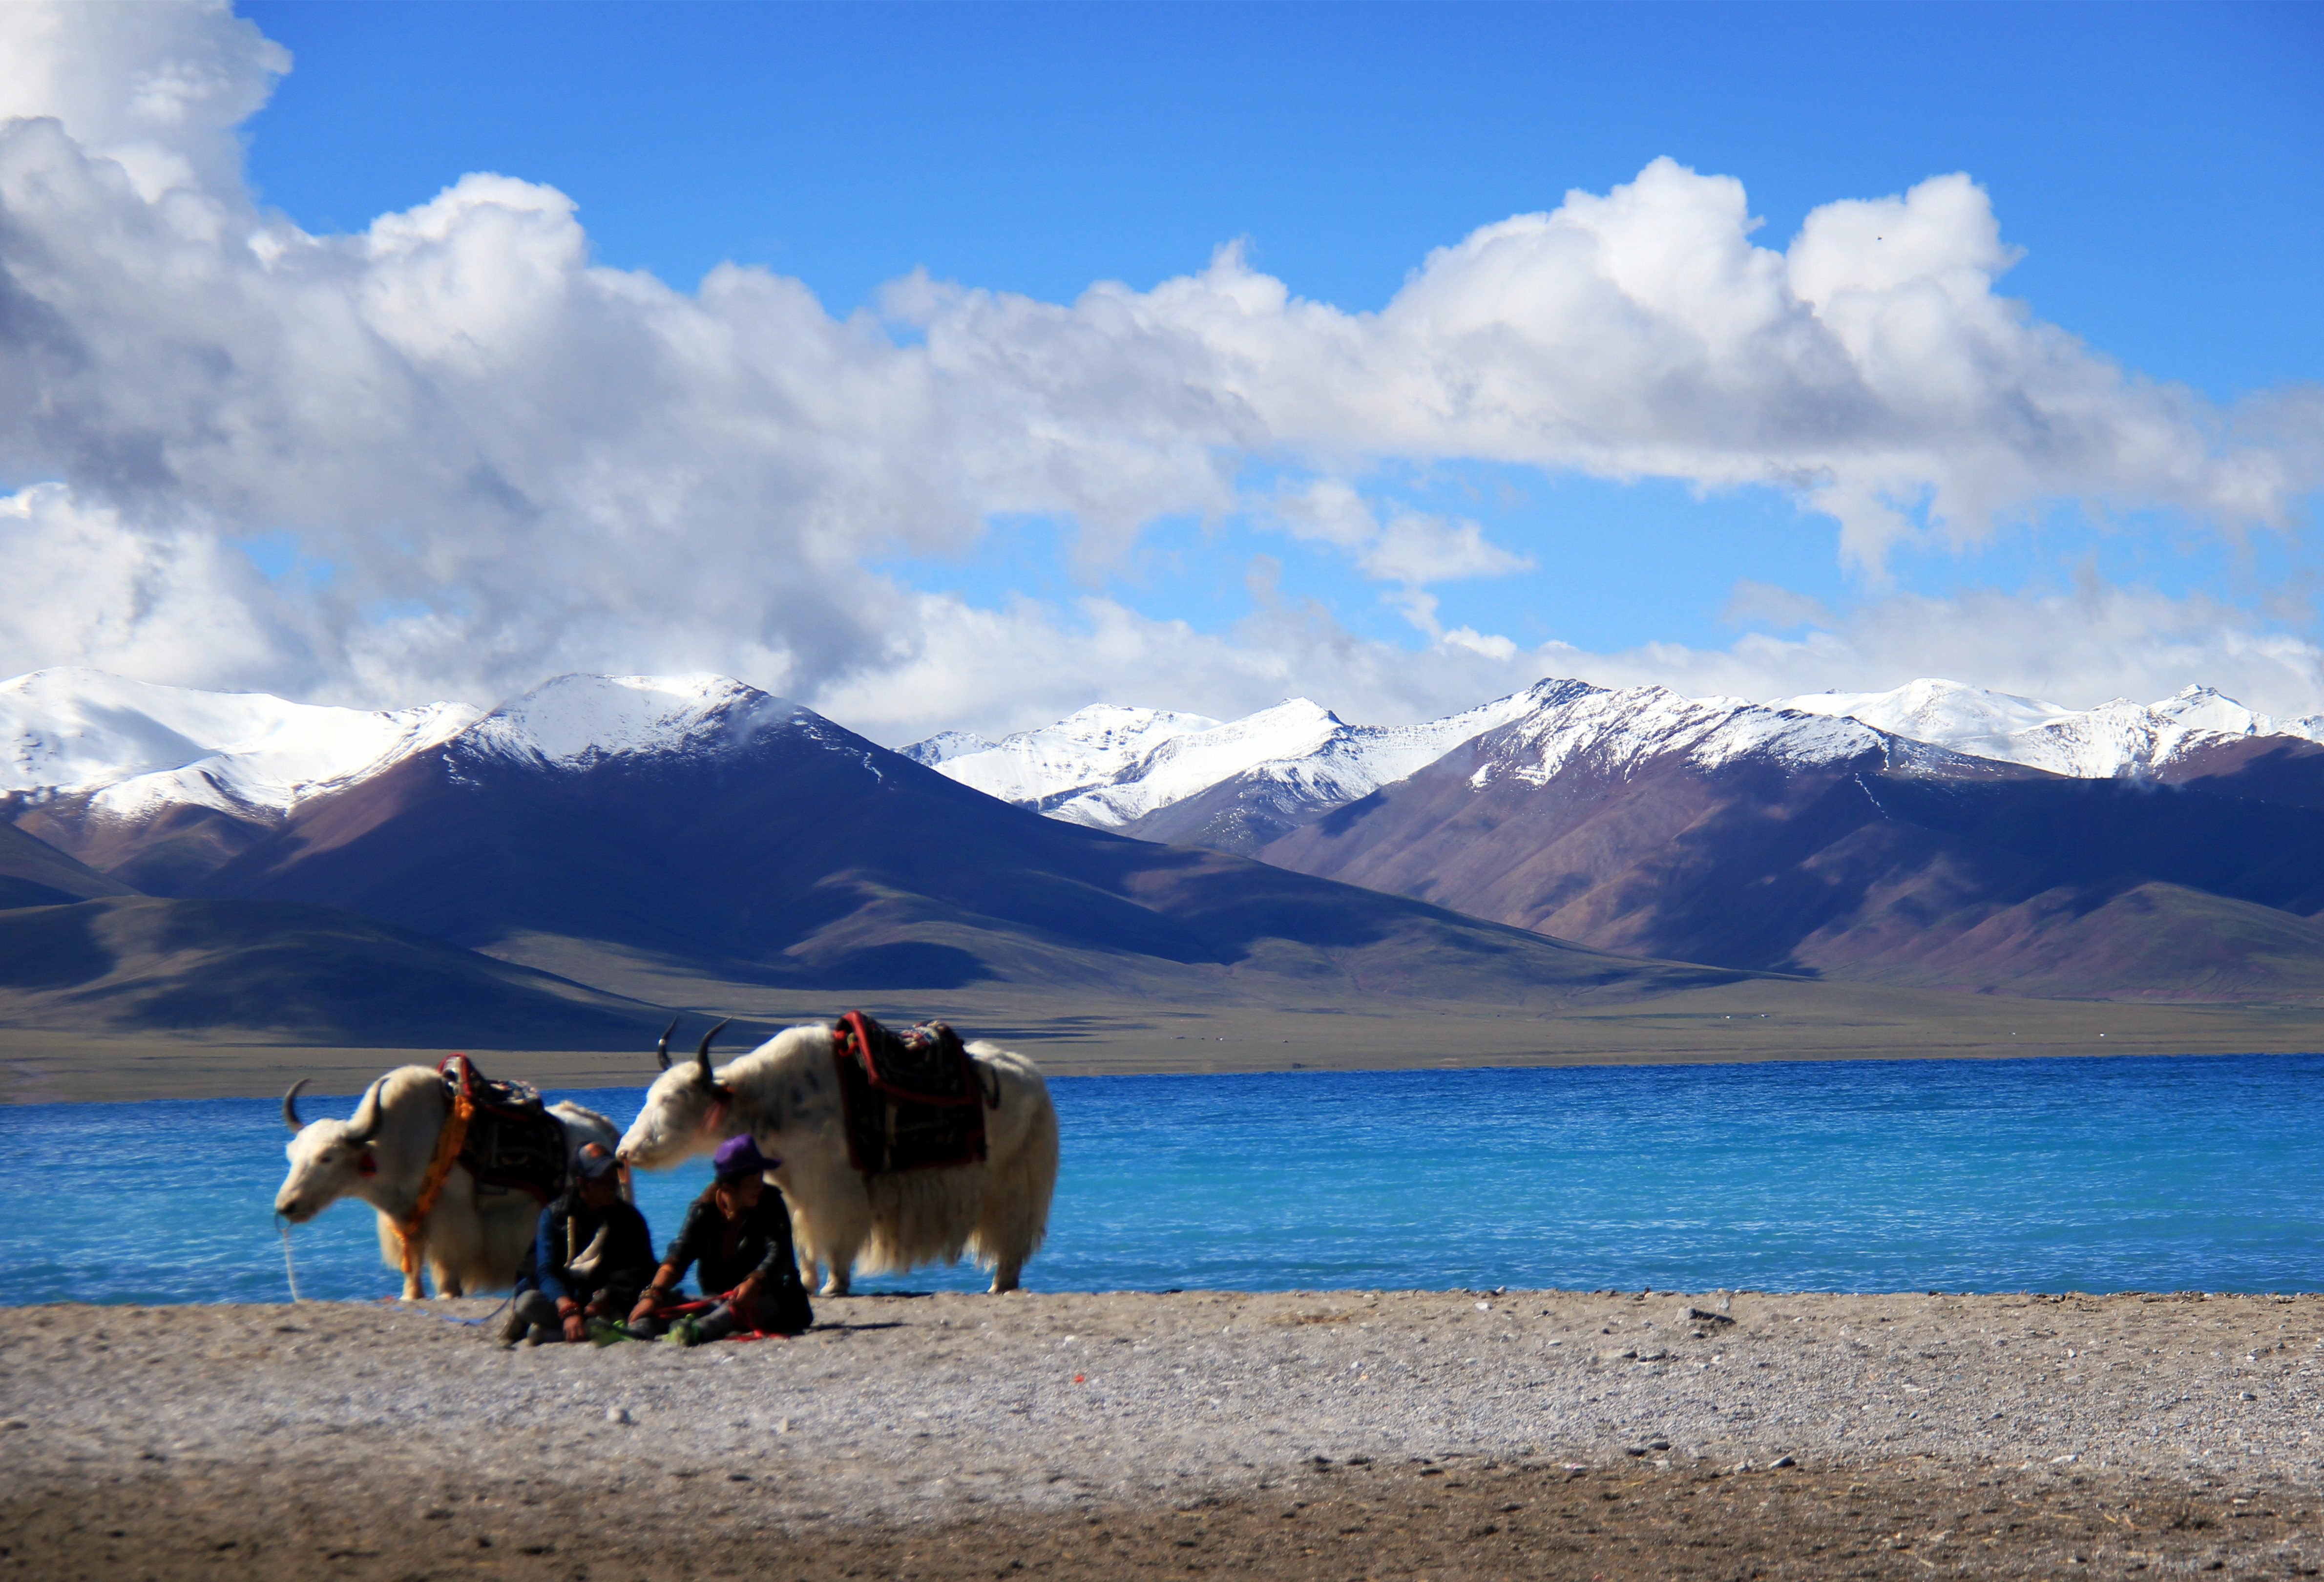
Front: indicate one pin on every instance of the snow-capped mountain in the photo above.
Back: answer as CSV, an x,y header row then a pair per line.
x,y
2108,742
1237,785
125,750
1053,769
574,722
1110,767
132,749
1620,731
1749,835
161,786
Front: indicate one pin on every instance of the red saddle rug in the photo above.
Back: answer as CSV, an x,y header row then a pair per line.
x,y
913,1099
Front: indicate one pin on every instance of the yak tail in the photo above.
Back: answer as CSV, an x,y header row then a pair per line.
x,y
1014,1217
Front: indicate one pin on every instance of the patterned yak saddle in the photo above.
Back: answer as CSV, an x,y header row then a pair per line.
x,y
512,1141
913,1099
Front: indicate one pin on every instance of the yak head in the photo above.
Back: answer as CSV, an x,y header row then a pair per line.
x,y
686,1112
367,1156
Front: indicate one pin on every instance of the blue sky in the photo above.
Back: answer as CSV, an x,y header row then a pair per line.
x,y
2156,163
2154,166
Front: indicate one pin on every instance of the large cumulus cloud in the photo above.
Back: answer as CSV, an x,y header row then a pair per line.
x,y
503,461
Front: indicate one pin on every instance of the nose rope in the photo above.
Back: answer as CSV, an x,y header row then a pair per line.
x,y
289,1268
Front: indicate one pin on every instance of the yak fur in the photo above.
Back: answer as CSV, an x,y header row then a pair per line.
x,y
472,1242
785,1094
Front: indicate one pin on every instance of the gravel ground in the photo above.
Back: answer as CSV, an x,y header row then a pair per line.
x,y
1328,1434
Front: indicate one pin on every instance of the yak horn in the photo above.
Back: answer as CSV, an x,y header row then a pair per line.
x,y
290,1105
702,1053
661,1050
363,1125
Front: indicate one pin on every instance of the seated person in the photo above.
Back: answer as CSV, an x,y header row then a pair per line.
x,y
737,1235
591,1256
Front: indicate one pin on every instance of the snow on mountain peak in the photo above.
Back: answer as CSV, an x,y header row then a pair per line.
x,y
2117,738
947,746
1044,768
1967,719
1619,731
1109,765
132,747
575,720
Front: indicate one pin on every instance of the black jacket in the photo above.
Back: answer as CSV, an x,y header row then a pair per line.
x,y
725,1255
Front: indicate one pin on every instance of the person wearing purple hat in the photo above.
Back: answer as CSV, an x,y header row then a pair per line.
x,y
737,1237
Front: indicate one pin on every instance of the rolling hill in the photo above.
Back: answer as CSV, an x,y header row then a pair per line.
x,y
704,824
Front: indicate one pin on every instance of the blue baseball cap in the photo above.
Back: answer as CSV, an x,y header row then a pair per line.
x,y
595,1160
739,1156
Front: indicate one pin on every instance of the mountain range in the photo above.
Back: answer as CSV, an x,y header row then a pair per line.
x,y
1127,769
1936,835
1774,838
1231,786
173,856
600,826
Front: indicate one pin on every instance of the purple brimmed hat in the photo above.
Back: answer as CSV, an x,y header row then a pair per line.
x,y
739,1156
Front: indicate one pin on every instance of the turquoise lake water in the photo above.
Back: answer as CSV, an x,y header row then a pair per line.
x,y
2132,1174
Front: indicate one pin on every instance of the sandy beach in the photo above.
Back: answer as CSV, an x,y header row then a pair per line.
x,y
1308,1434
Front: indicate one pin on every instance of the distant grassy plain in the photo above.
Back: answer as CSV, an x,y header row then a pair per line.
x,y
1079,1034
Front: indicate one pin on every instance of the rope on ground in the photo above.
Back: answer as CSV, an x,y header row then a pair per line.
x,y
287,1267
401,1307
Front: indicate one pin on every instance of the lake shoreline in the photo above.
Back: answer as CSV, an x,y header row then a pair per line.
x,y
57,1069
1287,1434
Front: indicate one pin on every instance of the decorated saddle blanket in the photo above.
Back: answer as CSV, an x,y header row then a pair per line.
x,y
512,1141
913,1099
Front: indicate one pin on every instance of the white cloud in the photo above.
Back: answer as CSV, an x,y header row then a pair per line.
x,y
160,89
2077,648
1775,607
993,671
516,463
1415,548
1327,511
87,588
1412,548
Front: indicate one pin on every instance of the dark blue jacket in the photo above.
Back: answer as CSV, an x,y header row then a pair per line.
x,y
568,1225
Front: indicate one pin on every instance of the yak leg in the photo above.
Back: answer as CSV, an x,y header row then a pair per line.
x,y
1005,1274
411,1291
838,1263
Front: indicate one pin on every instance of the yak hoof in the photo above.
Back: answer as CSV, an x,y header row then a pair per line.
x,y
835,1286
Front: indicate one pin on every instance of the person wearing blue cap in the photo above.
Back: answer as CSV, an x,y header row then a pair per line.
x,y
592,1253
737,1237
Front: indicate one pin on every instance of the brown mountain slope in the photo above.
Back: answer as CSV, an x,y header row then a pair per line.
x,y
33,872
776,847
165,852
288,973
2011,881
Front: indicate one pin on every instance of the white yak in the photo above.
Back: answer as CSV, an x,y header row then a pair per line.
x,y
472,1241
785,1094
